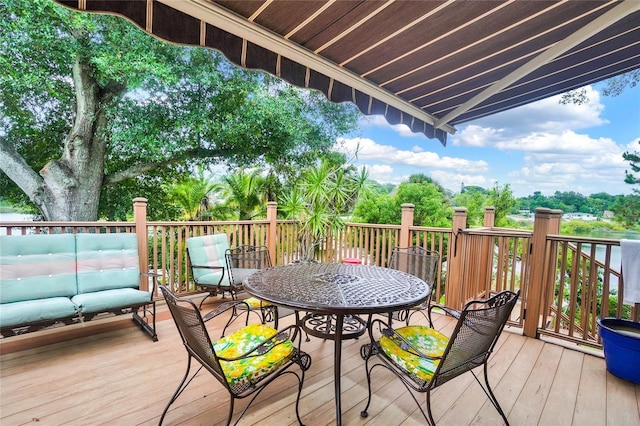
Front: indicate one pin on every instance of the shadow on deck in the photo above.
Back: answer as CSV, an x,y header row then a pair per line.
x,y
116,375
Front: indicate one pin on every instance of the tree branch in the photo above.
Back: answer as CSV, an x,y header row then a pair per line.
x,y
141,168
17,169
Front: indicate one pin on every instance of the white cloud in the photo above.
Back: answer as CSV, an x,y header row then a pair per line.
x,y
556,156
383,173
544,146
454,181
547,115
369,150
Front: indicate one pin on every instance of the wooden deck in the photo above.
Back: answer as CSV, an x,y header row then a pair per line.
x,y
122,378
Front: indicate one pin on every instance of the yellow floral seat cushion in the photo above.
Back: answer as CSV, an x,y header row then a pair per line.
x,y
251,369
255,303
427,340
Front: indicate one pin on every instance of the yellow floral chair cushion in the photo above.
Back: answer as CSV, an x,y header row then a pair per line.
x,y
427,340
255,303
250,369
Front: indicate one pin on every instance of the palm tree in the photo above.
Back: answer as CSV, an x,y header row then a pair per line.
x,y
244,194
323,195
193,195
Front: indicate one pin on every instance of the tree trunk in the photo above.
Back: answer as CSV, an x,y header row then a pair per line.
x,y
72,183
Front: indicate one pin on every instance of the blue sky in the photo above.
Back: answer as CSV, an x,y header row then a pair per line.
x,y
545,146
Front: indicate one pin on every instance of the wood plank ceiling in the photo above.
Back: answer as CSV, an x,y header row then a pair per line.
x,y
428,64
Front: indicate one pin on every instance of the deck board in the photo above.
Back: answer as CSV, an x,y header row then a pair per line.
x,y
121,377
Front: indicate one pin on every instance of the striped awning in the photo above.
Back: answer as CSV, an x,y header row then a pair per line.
x,y
428,64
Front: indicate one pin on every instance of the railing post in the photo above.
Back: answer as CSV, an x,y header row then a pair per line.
x,y
140,219
489,216
551,255
533,300
455,262
272,217
405,222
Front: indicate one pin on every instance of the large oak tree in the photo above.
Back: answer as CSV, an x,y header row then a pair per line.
x,y
93,112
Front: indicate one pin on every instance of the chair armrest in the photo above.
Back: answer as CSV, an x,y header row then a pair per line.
x,y
449,311
222,308
222,268
154,277
219,268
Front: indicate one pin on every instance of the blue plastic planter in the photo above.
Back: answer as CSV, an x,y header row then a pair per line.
x,y
621,342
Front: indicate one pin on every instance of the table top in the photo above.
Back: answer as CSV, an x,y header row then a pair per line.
x,y
337,288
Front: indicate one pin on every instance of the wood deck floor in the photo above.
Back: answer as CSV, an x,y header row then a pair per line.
x,y
122,378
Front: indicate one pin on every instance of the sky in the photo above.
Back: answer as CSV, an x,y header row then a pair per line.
x,y
545,146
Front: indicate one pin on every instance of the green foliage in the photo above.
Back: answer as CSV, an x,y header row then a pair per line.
x,y
321,198
625,207
244,194
163,108
634,162
475,202
581,227
627,211
613,87
501,197
377,208
192,194
431,205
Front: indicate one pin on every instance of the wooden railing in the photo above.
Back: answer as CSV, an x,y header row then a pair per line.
x,y
495,259
566,282
583,284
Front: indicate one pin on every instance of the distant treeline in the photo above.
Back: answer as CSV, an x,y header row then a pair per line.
x,y
595,204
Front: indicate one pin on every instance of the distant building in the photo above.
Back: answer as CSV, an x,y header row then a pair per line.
x,y
579,216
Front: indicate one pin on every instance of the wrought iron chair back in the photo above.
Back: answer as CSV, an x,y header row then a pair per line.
x,y
475,336
198,344
420,262
243,261
412,358
246,258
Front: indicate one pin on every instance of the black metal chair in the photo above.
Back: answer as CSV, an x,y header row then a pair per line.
x,y
244,362
423,358
421,263
243,261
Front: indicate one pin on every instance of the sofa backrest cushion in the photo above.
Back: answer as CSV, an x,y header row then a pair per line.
x,y
208,250
37,267
107,262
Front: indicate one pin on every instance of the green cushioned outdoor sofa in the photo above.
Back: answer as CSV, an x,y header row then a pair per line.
x,y
67,278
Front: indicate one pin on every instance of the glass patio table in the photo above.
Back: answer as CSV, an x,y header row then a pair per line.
x,y
334,295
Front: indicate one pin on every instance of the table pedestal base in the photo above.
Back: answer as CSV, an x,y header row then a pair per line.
x,y
324,326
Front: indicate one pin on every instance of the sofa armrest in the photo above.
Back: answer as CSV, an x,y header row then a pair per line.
x,y
154,276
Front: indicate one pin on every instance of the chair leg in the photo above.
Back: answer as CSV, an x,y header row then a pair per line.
x,y
430,419
234,315
298,322
491,396
181,387
270,314
211,294
300,382
366,353
230,416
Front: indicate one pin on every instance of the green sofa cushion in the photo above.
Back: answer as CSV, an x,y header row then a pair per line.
x,y
107,261
37,267
31,311
102,301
